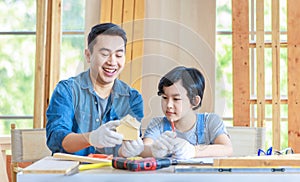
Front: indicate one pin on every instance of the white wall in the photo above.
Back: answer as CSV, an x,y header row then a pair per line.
x,y
177,32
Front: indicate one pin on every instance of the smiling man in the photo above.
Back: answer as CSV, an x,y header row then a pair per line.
x,y
85,110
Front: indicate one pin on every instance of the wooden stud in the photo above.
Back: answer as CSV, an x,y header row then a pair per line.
x,y
138,44
275,75
128,13
39,82
240,56
260,59
117,12
106,11
293,13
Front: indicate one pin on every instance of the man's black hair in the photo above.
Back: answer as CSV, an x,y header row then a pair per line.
x,y
105,29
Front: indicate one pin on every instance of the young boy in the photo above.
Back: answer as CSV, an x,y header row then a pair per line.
x,y
194,134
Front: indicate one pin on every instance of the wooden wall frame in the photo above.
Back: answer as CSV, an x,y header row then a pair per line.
x,y
241,76
129,14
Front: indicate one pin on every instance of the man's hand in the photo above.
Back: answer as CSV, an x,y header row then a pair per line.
x,y
132,148
106,135
163,145
183,149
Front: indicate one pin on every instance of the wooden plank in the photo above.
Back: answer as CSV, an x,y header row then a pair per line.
x,y
49,165
138,44
105,11
40,54
117,12
240,56
128,13
275,74
65,156
259,161
53,44
283,44
260,59
293,13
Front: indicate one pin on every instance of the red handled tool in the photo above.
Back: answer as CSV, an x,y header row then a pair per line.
x,y
145,164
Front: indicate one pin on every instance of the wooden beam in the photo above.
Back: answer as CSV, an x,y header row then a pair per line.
x,y
260,59
240,56
293,29
105,11
128,14
53,45
39,82
275,75
138,44
117,12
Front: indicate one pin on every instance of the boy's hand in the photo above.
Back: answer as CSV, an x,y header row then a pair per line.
x,y
183,149
164,144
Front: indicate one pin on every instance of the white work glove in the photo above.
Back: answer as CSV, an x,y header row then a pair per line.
x,y
183,149
132,148
163,145
106,135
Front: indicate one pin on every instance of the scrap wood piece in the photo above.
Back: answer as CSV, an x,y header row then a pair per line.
x,y
259,161
50,165
129,128
79,158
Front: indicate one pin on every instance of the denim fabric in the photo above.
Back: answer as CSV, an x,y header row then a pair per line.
x,y
74,108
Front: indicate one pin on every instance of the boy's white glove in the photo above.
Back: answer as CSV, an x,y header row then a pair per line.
x,y
163,145
106,135
183,149
132,148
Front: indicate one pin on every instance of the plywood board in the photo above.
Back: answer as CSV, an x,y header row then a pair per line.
x,y
51,165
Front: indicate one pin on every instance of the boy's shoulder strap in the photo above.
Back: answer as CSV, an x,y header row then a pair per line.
x,y
200,126
166,124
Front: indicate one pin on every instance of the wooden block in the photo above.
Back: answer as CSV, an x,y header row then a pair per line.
x,y
129,128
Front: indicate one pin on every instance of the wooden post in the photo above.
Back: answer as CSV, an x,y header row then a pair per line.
x,y
48,44
293,45
129,14
240,59
39,83
275,74
260,59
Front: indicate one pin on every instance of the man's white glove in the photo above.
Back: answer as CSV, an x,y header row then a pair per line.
x,y
106,135
183,149
132,148
163,145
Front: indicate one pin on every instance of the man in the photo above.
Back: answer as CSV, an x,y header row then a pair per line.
x,y
85,110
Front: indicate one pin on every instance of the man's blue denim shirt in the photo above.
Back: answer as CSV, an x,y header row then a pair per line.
x,y
73,108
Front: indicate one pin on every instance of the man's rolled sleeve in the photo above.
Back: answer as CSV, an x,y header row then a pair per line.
x,y
59,117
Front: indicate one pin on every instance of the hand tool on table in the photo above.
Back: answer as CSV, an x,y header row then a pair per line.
x,y
144,164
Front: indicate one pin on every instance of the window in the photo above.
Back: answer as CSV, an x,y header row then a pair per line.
x,y
17,52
